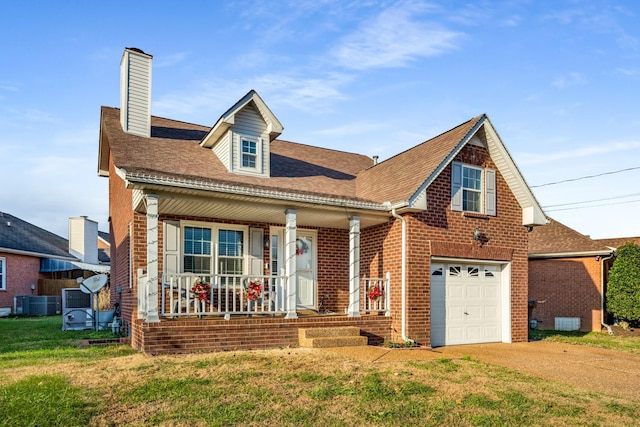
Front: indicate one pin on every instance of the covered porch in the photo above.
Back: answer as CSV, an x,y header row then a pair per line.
x,y
227,259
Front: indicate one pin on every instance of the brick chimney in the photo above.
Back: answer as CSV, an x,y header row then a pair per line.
x,y
135,92
83,239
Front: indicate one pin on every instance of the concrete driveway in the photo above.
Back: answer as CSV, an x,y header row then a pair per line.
x,y
611,372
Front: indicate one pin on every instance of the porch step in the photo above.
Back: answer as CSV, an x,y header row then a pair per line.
x,y
343,336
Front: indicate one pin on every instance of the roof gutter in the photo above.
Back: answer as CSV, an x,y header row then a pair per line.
x,y
569,254
70,258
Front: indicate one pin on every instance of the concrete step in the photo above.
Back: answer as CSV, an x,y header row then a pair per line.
x,y
343,336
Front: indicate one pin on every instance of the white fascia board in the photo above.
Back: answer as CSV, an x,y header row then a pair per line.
x,y
415,198
274,126
103,152
219,129
532,213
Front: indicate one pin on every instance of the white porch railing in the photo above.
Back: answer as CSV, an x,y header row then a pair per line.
x,y
229,294
222,295
376,295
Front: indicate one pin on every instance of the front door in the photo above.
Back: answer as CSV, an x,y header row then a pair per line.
x,y
306,261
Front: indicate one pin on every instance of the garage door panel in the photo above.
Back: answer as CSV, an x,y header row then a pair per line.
x,y
475,292
455,314
465,304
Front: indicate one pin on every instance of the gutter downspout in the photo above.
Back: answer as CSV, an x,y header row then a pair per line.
x,y
610,332
404,275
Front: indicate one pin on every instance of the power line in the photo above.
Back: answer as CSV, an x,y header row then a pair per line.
x,y
584,177
592,206
592,201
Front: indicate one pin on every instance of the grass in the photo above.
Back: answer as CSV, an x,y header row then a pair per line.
x,y
629,344
49,381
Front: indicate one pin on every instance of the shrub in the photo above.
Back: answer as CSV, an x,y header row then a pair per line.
x,y
623,289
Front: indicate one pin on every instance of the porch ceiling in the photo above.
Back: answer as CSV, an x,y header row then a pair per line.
x,y
253,209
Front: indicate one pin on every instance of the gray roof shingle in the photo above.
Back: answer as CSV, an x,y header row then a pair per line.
x,y
19,235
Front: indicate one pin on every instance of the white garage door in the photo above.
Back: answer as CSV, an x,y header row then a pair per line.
x,y
465,304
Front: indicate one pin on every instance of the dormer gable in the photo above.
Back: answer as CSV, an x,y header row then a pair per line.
x,y
242,135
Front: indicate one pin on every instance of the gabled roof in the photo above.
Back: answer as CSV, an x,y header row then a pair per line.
x,y
274,127
556,240
403,178
173,157
18,236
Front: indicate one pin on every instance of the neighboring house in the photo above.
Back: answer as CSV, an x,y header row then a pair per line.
x,y
568,272
29,253
437,235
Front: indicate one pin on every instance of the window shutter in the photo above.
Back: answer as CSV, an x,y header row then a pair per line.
x,y
490,187
256,251
456,186
171,247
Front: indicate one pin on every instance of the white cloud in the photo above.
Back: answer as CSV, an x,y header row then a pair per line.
x,y
570,79
588,151
216,96
393,39
356,128
168,60
629,72
9,86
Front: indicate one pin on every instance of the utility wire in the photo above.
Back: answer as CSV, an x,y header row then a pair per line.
x,y
584,177
591,201
592,206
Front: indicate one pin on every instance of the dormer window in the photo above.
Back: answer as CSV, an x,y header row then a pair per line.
x,y
249,153
473,189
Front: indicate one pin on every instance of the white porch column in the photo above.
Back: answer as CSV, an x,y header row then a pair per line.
x,y
354,267
152,258
290,263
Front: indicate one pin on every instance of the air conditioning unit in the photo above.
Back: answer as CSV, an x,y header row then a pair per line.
x,y
77,312
21,304
43,305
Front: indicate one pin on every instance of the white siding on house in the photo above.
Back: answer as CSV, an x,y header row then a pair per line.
x,y
250,123
83,239
135,93
223,150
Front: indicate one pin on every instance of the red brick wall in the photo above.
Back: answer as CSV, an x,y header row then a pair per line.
x,y
192,335
21,272
568,287
120,216
439,231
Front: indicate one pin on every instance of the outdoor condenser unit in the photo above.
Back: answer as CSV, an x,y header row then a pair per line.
x,y
77,313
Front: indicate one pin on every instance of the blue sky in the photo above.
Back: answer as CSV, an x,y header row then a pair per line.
x,y
560,81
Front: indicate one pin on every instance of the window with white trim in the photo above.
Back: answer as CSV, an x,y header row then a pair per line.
x,y
3,274
214,249
249,153
473,189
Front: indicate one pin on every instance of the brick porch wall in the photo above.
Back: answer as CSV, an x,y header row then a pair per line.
x,y
569,287
206,335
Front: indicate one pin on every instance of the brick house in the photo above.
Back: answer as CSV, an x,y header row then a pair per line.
x,y
29,253
568,275
227,237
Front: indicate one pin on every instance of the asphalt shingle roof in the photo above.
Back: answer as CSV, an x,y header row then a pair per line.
x,y
173,152
556,238
19,235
